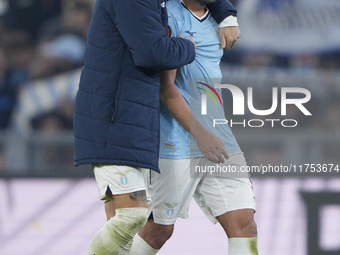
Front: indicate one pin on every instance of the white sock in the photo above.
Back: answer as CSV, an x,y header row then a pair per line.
x,y
242,246
140,247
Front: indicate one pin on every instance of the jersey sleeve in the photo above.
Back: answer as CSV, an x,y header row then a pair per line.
x,y
141,25
173,20
221,9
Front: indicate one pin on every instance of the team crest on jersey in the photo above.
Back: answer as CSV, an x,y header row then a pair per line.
x,y
123,177
163,4
170,209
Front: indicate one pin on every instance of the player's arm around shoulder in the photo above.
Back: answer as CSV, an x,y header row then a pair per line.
x,y
226,15
142,25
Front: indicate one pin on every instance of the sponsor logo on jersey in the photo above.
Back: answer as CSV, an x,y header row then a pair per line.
x,y
190,33
170,146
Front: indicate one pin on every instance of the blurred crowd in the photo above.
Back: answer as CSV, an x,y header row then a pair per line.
x,y
323,61
39,39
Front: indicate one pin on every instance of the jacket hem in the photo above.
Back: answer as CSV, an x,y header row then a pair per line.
x,y
116,162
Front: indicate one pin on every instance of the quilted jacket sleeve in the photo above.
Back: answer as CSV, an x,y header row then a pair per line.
x,y
222,9
141,24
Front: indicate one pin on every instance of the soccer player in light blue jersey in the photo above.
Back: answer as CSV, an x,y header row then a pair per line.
x,y
189,139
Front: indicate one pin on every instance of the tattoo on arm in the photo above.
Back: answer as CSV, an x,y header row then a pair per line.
x,y
138,195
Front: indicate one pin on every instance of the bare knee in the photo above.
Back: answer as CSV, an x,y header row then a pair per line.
x,y
163,234
156,235
239,223
247,228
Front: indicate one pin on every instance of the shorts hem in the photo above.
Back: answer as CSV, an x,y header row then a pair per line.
x,y
121,191
169,222
234,209
212,216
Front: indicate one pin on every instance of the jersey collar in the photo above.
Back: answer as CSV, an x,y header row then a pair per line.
x,y
203,18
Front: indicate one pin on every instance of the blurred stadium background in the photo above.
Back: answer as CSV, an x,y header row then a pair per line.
x,y
48,207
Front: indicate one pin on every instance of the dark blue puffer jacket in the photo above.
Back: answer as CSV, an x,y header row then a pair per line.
x,y
116,118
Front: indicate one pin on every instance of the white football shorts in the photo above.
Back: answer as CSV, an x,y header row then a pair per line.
x,y
118,180
172,190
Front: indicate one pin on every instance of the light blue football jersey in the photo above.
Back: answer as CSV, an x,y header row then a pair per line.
x,y
175,141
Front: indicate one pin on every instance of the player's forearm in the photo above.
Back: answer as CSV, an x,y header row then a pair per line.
x,y
174,101
172,98
196,128
177,106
